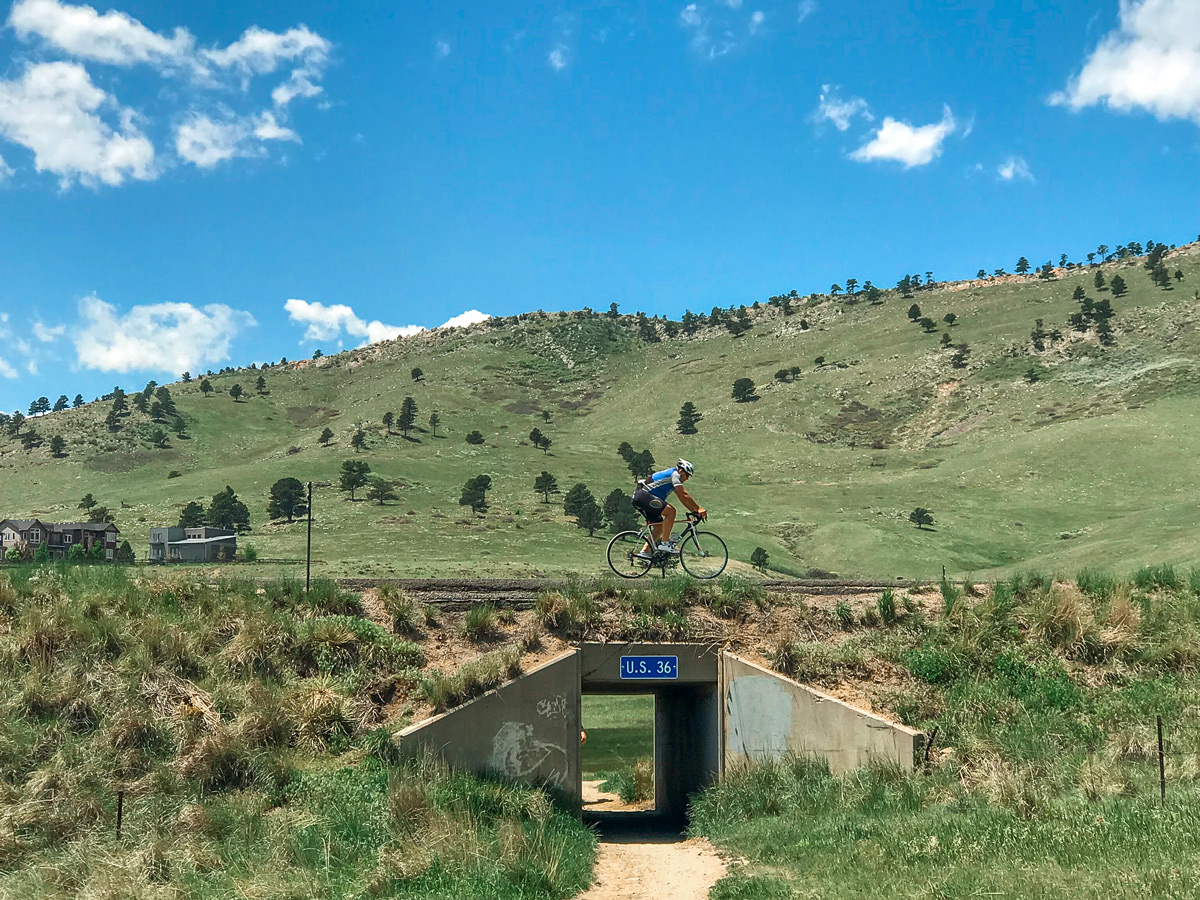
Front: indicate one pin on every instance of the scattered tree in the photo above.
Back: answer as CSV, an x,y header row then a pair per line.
x,y
288,498
783,375
575,498
235,391
689,417
326,436
408,416
57,445
98,515
87,502
192,515
540,440
914,312
619,511
388,419
381,490
158,438
124,554
1117,286
927,324
959,360
759,559
359,440
39,406
260,386
1179,274
921,516
417,374
434,421
353,476
744,390
206,388
546,416
78,401
545,484
946,339
474,438
227,511
1022,267
590,516
1098,281
474,493
950,319
819,361
61,403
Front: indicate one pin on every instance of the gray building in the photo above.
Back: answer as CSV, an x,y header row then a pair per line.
x,y
174,544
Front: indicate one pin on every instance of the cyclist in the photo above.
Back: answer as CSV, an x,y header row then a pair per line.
x,y
650,499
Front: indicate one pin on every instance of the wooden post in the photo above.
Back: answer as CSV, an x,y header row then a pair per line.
x,y
1162,765
120,812
929,744
308,552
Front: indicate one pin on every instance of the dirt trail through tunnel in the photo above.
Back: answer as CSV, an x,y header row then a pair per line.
x,y
655,868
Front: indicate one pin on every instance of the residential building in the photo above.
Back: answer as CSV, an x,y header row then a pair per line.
x,y
175,544
59,537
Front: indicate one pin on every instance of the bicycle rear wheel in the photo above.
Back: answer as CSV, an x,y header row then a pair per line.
x,y
622,555
703,555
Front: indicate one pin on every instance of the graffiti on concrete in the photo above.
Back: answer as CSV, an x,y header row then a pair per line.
x,y
553,707
519,755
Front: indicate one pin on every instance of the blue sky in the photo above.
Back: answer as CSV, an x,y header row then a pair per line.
x,y
186,186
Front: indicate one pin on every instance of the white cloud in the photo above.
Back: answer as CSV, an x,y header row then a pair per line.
x,y
689,17
205,142
805,9
113,38
5,170
6,369
260,52
912,146
442,48
47,334
1151,62
756,19
838,111
327,323
733,4
470,317
162,337
557,58
52,110
1015,168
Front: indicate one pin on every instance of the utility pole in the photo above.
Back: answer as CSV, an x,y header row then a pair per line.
x,y
308,552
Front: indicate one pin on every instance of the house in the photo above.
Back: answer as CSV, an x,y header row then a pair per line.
x,y
175,544
59,537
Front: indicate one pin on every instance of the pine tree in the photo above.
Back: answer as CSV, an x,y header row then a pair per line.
x,y
288,498
227,511
575,499
744,390
475,438
381,490
113,420
78,401
914,312
417,374
590,517
87,502
353,476
235,391
434,421
388,419
359,440
61,403
1022,267
921,517
619,511
260,386
474,493
689,417
326,437
192,515
408,416
158,438
1098,281
545,484
57,445
206,387
759,559
1117,286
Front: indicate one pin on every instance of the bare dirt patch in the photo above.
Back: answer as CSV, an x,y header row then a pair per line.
x,y
665,869
596,800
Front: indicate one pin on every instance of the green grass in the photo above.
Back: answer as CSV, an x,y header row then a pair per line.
x,y
620,730
243,722
1043,781
1009,469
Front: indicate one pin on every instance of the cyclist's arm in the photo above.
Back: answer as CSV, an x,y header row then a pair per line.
x,y
686,499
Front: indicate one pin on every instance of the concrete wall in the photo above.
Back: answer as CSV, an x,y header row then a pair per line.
x,y
525,731
768,716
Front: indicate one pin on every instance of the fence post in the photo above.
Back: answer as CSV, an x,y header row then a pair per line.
x,y
1162,765
120,811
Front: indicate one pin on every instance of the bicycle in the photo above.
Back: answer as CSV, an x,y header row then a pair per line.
x,y
701,553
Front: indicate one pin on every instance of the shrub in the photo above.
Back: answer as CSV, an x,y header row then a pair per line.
x,y
249,554
479,624
931,664
403,611
1161,577
472,679
845,615
1097,585
887,606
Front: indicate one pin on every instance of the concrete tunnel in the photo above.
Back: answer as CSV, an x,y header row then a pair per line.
x,y
712,710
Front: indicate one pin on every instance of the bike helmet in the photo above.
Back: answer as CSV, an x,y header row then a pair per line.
x,y
684,466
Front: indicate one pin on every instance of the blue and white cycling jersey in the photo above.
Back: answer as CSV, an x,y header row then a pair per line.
x,y
662,484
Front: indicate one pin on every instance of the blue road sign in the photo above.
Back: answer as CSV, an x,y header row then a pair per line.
x,y
650,667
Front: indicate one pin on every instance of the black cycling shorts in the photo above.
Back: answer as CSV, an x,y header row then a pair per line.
x,y
649,506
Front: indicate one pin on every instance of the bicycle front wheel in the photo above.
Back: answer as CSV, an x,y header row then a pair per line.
x,y
703,555
622,555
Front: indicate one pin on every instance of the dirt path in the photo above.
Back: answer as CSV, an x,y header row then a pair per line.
x,y
655,869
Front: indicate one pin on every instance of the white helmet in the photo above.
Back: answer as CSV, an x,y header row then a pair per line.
x,y
684,466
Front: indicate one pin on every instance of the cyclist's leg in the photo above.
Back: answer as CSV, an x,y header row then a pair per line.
x,y
662,531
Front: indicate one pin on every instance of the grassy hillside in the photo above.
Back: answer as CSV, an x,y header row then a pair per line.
x,y
1091,464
